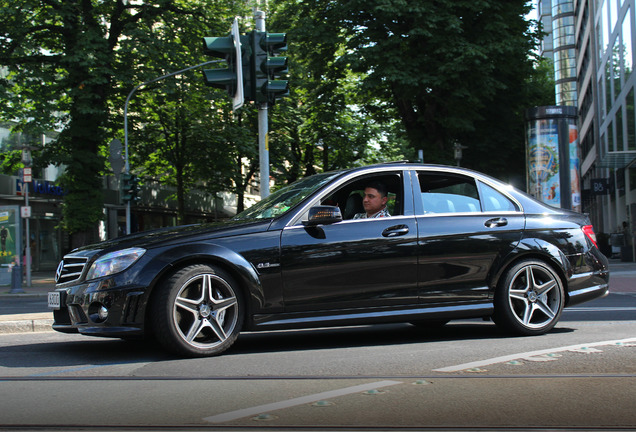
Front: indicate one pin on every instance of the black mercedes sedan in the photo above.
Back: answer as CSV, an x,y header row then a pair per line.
x,y
450,244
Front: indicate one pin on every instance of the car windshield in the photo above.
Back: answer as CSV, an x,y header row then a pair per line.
x,y
281,201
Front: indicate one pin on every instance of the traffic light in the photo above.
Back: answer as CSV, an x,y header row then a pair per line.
x,y
134,189
129,188
229,78
264,68
125,187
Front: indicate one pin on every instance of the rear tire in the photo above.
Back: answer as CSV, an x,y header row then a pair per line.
x,y
198,311
529,299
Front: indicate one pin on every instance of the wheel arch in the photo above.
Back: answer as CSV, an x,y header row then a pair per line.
x,y
540,250
174,259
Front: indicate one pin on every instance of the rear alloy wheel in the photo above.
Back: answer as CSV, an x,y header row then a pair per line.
x,y
529,299
198,311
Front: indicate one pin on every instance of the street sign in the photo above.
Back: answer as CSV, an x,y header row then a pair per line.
x,y
238,99
27,176
25,211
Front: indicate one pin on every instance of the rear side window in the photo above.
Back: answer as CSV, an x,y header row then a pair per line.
x,y
447,193
494,201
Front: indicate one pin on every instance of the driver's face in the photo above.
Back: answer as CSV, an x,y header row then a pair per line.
x,y
373,202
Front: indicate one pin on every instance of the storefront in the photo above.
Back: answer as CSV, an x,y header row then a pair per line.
x,y
46,238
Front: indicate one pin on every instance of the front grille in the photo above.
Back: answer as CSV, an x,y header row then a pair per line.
x,y
70,269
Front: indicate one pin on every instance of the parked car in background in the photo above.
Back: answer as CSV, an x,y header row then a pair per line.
x,y
458,244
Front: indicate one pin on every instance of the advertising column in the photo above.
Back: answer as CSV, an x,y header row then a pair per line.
x,y
552,152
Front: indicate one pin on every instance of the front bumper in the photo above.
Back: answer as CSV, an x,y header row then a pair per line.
x,y
101,309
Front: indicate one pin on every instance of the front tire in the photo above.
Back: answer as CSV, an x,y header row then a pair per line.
x,y
529,299
198,311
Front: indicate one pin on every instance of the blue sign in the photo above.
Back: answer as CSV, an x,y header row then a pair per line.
x,y
40,187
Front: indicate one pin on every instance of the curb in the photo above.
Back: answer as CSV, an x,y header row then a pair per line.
x,y
31,323
24,294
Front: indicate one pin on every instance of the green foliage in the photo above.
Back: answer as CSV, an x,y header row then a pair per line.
x,y
176,136
370,81
70,64
324,124
446,69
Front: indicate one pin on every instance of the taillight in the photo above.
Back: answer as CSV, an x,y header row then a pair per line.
x,y
589,232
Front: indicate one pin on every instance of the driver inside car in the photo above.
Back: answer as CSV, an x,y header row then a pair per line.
x,y
374,202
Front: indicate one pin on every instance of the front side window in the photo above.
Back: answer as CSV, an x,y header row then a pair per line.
x,y
350,196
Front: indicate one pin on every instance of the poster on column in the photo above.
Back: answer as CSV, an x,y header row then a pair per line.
x,y
575,162
543,162
9,234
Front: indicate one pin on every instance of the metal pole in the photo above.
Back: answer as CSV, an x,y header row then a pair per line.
x,y
27,247
126,163
263,144
28,162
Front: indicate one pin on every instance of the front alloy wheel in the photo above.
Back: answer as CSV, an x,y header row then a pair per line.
x,y
529,299
198,311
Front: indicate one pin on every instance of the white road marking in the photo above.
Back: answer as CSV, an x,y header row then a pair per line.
x,y
246,412
502,359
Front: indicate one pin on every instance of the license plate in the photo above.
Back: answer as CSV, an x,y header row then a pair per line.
x,y
54,300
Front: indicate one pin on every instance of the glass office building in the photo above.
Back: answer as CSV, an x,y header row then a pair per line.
x,y
557,17
604,32
591,44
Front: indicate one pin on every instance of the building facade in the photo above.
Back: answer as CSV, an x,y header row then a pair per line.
x,y
600,82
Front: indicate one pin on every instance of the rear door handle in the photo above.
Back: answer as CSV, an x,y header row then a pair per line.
x,y
496,222
394,231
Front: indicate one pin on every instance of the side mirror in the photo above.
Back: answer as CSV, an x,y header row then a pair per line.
x,y
323,215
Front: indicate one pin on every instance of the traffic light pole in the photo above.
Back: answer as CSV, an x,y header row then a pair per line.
x,y
263,144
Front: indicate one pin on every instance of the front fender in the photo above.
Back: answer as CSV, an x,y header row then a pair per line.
x,y
177,257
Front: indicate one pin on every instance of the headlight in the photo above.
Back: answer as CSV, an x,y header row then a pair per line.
x,y
114,262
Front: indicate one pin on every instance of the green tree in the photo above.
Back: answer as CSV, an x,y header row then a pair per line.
x,y
66,59
446,69
323,125
179,126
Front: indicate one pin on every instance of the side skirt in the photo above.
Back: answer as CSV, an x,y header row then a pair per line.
x,y
366,316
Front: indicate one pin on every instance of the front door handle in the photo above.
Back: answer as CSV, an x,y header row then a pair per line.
x,y
496,222
394,231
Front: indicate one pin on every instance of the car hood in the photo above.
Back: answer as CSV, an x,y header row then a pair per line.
x,y
179,234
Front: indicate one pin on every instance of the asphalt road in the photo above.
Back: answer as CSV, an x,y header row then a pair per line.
x,y
463,376
22,305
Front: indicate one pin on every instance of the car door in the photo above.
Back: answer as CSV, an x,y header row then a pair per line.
x,y
465,228
353,263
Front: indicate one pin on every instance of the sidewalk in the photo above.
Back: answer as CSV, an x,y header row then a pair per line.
x,y
622,280
41,284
